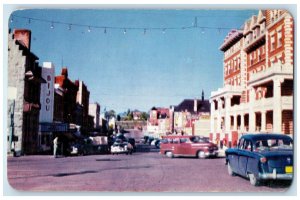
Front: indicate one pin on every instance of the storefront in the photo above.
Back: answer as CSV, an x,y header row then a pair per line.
x,y
47,131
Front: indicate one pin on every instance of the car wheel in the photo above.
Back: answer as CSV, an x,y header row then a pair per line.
x,y
201,154
253,180
169,154
229,169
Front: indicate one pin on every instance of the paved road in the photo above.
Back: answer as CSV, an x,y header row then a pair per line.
x,y
144,171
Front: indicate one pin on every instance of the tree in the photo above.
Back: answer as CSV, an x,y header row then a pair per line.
x,y
118,118
144,116
110,114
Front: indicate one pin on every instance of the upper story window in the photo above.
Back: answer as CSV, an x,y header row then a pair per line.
x,y
251,59
272,42
257,30
279,38
262,27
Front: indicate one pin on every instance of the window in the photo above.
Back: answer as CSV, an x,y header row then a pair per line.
x,y
258,55
272,42
279,38
257,31
241,142
183,140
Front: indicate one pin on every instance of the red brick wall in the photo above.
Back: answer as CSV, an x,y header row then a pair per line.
x,y
287,122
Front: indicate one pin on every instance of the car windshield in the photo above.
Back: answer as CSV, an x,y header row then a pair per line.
x,y
270,144
197,139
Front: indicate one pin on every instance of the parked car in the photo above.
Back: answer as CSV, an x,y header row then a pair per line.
x,y
157,143
120,147
117,148
262,157
195,146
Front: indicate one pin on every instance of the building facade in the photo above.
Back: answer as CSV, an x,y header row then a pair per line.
x,y
257,95
82,107
94,110
47,107
159,122
70,95
24,83
191,117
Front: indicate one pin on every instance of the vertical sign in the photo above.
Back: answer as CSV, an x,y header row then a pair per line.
x,y
47,93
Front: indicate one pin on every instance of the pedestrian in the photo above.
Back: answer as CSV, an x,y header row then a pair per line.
x,y
55,146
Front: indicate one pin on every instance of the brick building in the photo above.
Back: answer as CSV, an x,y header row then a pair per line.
x,y
82,107
159,121
70,95
24,82
257,95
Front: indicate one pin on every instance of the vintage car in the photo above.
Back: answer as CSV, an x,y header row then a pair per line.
x,y
262,157
192,146
119,147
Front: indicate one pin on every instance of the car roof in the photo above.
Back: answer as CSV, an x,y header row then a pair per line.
x,y
261,136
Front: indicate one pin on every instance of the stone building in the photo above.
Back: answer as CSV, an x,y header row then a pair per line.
x,y
257,95
24,82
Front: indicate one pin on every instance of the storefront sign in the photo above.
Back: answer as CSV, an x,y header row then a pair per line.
x,y
52,127
47,93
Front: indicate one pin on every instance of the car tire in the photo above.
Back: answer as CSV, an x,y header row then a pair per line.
x,y
229,169
201,154
253,180
169,154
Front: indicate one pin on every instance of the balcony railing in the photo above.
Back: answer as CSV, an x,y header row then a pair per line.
x,y
287,102
274,69
226,89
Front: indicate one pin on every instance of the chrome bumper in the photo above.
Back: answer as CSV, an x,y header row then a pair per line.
x,y
274,176
214,153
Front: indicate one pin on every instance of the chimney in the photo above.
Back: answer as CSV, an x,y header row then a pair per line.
x,y
23,36
202,95
195,105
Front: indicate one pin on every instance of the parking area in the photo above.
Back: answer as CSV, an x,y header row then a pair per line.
x,y
143,171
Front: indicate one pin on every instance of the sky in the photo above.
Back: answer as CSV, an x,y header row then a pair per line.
x,y
142,67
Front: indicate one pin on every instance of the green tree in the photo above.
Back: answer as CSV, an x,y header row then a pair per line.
x,y
110,114
144,116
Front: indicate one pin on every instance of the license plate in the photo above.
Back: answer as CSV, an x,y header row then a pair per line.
x,y
289,169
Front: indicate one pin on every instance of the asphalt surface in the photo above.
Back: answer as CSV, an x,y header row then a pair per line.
x,y
144,171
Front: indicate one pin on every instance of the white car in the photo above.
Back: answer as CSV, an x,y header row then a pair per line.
x,y
117,148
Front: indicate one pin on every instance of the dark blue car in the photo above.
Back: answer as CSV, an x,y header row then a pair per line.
x,y
262,157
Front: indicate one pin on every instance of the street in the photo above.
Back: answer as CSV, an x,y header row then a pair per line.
x,y
144,171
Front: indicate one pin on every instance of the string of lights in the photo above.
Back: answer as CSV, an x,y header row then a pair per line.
x,y
105,28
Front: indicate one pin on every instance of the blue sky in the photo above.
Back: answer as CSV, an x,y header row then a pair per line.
x,y
135,70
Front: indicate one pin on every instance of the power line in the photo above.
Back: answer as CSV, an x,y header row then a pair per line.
x,y
89,27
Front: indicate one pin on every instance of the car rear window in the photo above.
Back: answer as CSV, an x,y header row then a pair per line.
x,y
268,144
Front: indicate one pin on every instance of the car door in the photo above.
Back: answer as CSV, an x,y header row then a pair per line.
x,y
234,156
244,154
184,148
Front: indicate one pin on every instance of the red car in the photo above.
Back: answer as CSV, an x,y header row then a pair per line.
x,y
192,146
